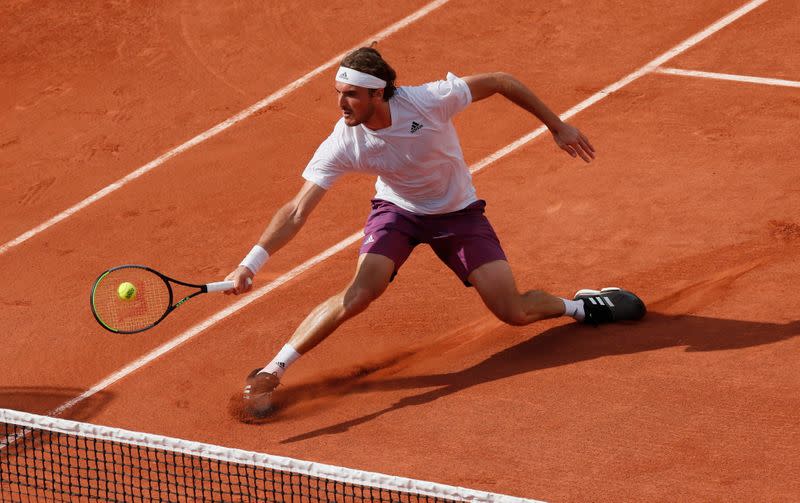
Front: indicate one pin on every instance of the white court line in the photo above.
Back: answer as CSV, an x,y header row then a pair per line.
x,y
624,81
192,332
728,76
222,126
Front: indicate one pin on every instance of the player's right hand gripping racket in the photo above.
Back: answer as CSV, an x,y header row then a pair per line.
x,y
151,301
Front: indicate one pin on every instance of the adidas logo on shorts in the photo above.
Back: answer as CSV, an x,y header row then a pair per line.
x,y
415,126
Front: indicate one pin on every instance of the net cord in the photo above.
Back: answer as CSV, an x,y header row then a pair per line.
x,y
269,461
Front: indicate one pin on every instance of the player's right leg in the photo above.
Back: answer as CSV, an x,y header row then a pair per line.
x,y
389,236
371,279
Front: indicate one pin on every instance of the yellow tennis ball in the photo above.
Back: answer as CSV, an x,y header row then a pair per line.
x,y
126,291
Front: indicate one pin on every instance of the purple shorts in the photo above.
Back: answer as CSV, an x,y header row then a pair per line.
x,y
463,239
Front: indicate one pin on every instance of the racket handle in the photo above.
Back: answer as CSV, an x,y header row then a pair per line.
x,y
221,286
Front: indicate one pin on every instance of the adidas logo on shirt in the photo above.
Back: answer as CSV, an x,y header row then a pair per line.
x,y
415,126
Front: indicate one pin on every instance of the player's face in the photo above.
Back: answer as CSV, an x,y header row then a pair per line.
x,y
356,103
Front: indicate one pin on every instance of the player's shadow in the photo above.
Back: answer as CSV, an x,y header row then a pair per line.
x,y
44,400
563,345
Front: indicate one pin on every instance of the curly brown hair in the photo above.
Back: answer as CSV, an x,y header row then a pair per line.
x,y
369,60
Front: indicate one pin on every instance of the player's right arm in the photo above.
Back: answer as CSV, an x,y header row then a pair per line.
x,y
285,224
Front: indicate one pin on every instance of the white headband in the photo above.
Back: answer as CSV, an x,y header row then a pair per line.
x,y
360,79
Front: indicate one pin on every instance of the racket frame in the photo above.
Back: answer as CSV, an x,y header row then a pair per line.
x,y
166,279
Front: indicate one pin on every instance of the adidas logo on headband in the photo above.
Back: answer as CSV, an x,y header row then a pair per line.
x,y
357,78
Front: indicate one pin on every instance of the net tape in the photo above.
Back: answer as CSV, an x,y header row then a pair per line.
x,y
241,457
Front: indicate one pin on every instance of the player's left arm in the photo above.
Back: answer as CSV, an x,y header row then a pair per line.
x,y
568,137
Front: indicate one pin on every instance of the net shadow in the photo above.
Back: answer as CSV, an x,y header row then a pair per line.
x,y
44,399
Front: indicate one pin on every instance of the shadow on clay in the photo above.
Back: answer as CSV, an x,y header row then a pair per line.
x,y
44,399
563,345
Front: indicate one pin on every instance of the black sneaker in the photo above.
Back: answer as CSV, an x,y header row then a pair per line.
x,y
610,304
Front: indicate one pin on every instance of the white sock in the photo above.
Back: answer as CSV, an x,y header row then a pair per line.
x,y
285,357
574,308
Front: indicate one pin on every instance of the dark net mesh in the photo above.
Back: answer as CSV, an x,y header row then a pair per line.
x,y
41,465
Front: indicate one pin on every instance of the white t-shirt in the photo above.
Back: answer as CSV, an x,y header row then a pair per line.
x,y
418,158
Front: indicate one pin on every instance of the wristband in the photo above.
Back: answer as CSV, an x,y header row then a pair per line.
x,y
256,259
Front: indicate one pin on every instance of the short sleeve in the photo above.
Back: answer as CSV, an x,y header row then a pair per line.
x,y
447,97
328,162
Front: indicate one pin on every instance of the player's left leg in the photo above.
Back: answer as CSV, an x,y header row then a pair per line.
x,y
495,283
467,243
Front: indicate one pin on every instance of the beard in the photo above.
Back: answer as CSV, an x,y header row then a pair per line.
x,y
354,119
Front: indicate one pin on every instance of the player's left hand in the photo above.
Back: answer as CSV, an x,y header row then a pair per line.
x,y
573,142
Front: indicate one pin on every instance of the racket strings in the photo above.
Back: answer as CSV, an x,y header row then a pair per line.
x,y
151,301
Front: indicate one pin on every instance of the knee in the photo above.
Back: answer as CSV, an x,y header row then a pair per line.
x,y
358,298
512,315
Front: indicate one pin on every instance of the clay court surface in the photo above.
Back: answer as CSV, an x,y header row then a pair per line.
x,y
693,202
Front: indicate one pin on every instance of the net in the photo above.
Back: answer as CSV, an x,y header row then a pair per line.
x,y
49,459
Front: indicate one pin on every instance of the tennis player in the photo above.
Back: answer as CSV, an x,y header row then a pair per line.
x,y
405,136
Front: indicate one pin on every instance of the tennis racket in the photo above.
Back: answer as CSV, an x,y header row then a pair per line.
x,y
151,303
